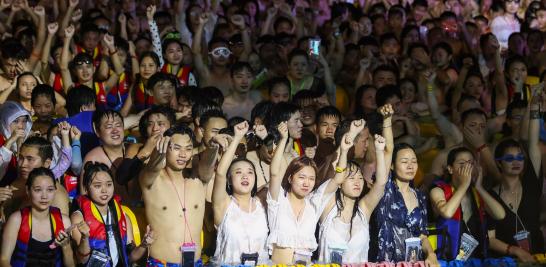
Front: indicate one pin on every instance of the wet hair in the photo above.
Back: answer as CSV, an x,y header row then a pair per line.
x,y
353,168
181,129
77,97
160,77
91,168
261,110
295,166
43,90
45,150
40,171
202,106
101,114
13,49
234,121
386,92
218,40
328,111
229,188
473,111
304,96
281,112
26,73
213,113
240,66
151,55
386,68
165,111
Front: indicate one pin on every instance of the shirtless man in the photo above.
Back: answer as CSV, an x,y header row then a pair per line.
x,y
218,74
108,126
35,152
175,204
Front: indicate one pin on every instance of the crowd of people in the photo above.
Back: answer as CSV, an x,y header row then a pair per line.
x,y
243,132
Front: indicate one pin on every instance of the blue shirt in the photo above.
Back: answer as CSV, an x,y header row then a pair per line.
x,y
391,224
84,122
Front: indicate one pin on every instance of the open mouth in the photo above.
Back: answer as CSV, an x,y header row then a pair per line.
x,y
245,183
104,197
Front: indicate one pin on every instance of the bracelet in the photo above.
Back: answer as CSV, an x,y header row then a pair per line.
x,y
508,249
83,255
113,53
430,88
534,114
340,170
479,149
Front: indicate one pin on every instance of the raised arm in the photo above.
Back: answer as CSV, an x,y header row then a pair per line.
x,y
239,21
346,143
113,80
157,162
533,114
72,4
370,200
492,206
328,80
199,62
51,31
467,63
386,111
444,208
154,32
39,11
65,58
271,15
220,197
275,170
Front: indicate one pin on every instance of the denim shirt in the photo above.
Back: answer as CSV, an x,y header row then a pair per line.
x,y
392,224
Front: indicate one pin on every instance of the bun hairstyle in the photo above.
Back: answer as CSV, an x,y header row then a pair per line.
x,y
90,169
42,171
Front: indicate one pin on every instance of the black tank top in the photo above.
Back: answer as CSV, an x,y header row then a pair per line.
x,y
39,253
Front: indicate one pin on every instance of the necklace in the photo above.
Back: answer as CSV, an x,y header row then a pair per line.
x,y
511,197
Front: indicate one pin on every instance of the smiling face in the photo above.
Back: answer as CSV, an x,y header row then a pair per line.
x,y
243,177
303,181
41,192
110,131
174,53
101,189
180,152
147,67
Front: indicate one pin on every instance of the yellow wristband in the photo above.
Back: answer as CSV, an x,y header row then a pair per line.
x,y
340,170
430,88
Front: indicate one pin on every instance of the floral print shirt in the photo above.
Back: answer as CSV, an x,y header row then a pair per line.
x,y
392,224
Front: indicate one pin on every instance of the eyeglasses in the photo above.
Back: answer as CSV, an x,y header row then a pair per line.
x,y
220,52
510,158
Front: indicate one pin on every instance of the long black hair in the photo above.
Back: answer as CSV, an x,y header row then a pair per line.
x,y
229,184
352,168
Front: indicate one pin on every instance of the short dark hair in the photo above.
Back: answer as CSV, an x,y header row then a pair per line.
x,y
182,129
170,41
212,93
40,171
165,111
45,150
161,77
43,90
452,155
387,37
213,113
516,104
77,97
386,92
514,59
280,112
277,80
100,114
261,110
151,55
202,106
473,111
386,68
240,66
328,111
297,52
443,45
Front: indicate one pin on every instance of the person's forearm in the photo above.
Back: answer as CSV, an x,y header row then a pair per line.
x,y
156,41
330,85
450,207
207,162
128,170
65,159
137,253
77,162
65,21
83,250
492,206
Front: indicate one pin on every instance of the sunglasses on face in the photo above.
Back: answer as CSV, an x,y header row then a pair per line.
x,y
81,62
510,158
221,52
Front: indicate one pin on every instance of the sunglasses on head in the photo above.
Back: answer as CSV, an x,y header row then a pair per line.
x,y
220,52
510,158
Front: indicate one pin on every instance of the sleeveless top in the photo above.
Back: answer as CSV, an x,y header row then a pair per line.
x,y
334,232
289,232
242,232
